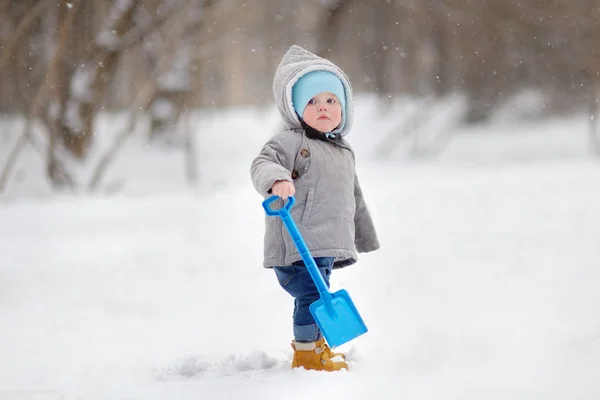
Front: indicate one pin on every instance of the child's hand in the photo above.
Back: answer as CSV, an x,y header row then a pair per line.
x,y
283,189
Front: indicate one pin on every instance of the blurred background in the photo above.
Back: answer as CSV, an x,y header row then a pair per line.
x,y
67,64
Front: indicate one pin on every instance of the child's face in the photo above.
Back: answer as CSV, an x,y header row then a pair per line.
x,y
323,112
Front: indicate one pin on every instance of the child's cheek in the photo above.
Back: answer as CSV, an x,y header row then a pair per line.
x,y
308,113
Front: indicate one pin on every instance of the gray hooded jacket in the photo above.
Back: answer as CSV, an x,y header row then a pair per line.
x,y
330,210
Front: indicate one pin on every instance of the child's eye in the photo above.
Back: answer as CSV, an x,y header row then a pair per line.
x,y
312,101
331,101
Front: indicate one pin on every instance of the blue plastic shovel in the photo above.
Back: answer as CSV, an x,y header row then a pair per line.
x,y
335,313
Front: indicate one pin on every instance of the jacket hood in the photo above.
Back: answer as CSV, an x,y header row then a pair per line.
x,y
296,62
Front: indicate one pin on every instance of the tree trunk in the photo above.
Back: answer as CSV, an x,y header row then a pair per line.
x,y
59,89
90,80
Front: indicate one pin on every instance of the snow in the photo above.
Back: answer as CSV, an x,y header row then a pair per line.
x,y
487,284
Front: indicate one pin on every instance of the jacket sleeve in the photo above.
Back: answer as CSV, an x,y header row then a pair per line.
x,y
274,163
365,238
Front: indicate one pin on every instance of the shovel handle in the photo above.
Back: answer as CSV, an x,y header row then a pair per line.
x,y
289,223
273,213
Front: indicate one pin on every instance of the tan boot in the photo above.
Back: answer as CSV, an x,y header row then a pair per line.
x,y
328,350
316,356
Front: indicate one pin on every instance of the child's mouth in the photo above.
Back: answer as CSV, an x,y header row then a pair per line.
x,y
323,117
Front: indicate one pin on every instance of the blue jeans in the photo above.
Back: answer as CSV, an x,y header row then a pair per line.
x,y
296,280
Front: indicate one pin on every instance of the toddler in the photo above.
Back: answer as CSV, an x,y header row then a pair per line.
x,y
312,162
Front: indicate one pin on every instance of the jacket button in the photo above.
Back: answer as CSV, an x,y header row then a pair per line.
x,y
304,153
295,174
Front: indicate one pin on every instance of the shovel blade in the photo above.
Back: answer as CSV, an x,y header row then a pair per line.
x,y
338,318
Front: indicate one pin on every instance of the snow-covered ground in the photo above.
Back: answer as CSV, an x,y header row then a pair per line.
x,y
487,285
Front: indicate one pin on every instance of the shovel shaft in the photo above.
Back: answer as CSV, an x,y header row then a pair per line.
x,y
308,259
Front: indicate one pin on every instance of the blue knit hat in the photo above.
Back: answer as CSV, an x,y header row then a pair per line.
x,y
313,83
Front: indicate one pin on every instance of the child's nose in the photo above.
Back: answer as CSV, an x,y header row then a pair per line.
x,y
322,107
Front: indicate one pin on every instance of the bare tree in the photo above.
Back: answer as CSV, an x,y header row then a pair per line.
x,y
162,87
91,78
55,171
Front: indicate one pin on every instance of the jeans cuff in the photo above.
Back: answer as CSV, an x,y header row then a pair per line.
x,y
307,333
